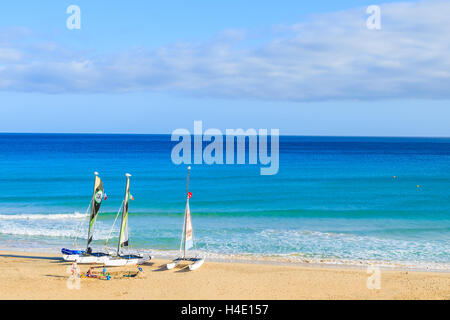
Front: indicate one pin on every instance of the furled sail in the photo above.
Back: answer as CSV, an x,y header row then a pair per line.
x,y
96,202
123,235
189,233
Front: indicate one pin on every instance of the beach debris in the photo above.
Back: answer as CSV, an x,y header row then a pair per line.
x,y
127,274
104,274
133,274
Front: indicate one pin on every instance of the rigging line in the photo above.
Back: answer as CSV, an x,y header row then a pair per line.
x,y
183,234
80,225
115,220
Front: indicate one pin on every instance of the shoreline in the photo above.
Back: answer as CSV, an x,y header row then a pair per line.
x,y
26,275
272,260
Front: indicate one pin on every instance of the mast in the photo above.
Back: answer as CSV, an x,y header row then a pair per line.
x,y
96,201
185,213
123,235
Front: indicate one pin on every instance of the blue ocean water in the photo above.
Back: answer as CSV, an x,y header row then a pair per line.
x,y
334,199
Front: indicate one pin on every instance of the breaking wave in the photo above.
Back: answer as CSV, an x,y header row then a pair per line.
x,y
61,216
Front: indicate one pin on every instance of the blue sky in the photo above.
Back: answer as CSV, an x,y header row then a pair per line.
x,y
305,67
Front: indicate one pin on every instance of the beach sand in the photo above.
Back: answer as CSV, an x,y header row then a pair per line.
x,y
44,276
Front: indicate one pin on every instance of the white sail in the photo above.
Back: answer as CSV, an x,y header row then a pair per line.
x,y
123,235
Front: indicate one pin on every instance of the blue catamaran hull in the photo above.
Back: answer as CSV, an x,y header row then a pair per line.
x,y
72,252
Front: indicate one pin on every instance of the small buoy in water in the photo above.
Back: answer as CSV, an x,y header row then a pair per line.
x,y
418,186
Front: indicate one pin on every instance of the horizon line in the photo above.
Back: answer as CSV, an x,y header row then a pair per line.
x,y
168,134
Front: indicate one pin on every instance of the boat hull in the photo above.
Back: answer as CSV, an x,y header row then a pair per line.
x,y
197,264
70,257
172,265
91,259
119,261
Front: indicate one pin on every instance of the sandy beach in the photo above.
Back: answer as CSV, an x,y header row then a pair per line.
x,y
45,276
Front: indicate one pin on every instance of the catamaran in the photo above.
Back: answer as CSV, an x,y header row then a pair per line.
x,y
121,258
187,238
87,256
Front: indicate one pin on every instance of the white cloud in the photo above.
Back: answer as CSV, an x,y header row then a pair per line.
x,y
330,56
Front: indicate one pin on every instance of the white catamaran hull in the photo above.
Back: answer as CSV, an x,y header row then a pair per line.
x,y
125,261
70,257
198,262
91,259
172,265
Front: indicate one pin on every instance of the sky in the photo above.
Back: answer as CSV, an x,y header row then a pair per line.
x,y
304,67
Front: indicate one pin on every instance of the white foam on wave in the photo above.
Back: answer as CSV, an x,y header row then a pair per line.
x,y
60,216
53,228
60,233
298,259
39,232
317,247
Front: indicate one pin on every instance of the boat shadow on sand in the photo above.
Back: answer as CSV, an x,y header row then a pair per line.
x,y
55,259
183,269
160,268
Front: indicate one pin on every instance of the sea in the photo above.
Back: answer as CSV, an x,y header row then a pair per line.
x,y
334,201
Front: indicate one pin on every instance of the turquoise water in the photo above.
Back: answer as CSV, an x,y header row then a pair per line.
x,y
333,200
